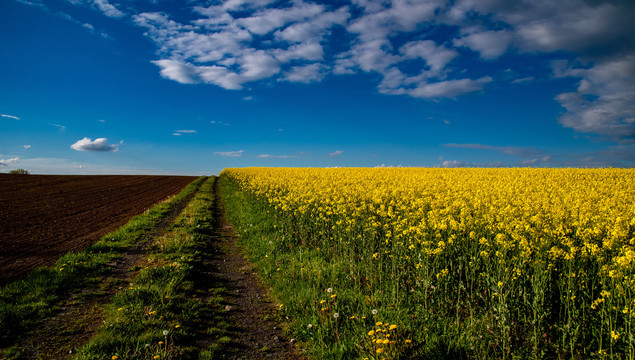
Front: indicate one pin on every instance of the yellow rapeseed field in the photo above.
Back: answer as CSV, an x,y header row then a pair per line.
x,y
542,259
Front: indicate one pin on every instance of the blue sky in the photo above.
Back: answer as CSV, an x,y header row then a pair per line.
x,y
192,87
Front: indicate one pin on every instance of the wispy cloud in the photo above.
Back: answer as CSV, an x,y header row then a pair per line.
x,y
27,146
9,162
524,152
238,153
108,9
98,145
336,153
181,132
458,163
10,116
219,123
268,156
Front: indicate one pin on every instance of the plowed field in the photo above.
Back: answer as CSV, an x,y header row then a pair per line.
x,y
45,216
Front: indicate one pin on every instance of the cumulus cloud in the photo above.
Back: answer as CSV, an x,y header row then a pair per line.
x,y
236,42
238,153
98,145
10,116
603,102
9,162
336,153
306,73
27,146
489,44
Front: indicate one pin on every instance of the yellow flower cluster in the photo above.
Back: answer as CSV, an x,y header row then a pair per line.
x,y
504,232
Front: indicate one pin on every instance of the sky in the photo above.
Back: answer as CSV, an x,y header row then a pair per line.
x,y
192,87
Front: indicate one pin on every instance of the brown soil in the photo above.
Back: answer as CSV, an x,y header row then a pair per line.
x,y
45,216
79,316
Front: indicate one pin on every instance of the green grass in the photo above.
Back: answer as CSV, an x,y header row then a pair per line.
x,y
25,302
170,303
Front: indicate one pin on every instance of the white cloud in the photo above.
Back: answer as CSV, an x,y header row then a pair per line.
x,y
523,80
490,44
336,153
176,134
10,116
220,122
545,25
458,163
9,162
27,146
99,145
315,27
268,156
436,56
306,73
267,20
524,152
603,101
311,51
108,9
238,153
186,131
449,88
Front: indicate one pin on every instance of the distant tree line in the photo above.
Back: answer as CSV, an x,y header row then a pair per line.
x,y
19,172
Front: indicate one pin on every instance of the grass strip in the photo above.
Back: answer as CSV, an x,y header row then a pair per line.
x,y
171,302
25,302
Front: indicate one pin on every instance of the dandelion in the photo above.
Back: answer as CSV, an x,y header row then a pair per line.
x,y
165,333
115,357
322,301
177,326
374,311
379,323
309,326
333,296
336,315
380,350
160,342
371,333
329,290
392,327
408,341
